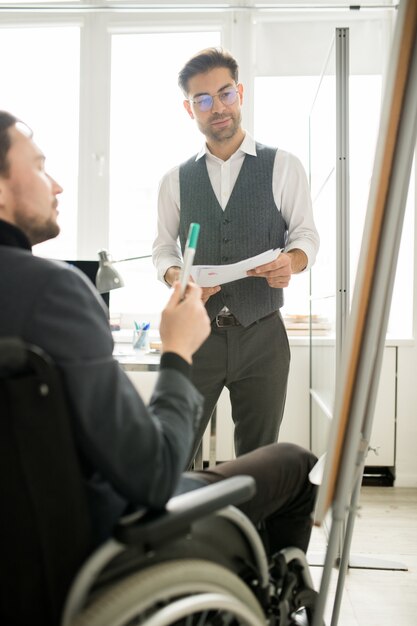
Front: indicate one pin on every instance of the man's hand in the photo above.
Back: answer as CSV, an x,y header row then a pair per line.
x,y
173,273
185,324
278,272
207,292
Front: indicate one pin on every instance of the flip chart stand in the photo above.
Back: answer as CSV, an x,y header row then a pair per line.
x,y
361,358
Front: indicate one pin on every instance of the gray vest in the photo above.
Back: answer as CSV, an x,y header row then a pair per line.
x,y
250,224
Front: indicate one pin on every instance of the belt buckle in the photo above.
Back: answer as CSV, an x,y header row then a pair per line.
x,y
224,321
219,321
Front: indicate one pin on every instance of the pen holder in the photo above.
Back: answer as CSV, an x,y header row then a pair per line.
x,y
141,339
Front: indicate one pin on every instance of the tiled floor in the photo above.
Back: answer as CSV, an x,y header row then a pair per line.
x,y
385,528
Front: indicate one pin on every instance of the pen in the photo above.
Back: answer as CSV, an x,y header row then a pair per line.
x,y
189,253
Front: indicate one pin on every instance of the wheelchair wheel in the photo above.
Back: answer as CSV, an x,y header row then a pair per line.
x,y
188,592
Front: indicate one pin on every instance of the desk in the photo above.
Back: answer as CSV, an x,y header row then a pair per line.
x,y
135,360
139,361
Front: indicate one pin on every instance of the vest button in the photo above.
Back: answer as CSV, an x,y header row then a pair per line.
x,y
225,258
226,240
226,221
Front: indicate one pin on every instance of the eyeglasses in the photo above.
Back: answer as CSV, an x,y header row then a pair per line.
x,y
205,102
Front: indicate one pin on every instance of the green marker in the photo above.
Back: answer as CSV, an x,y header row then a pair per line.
x,y
189,253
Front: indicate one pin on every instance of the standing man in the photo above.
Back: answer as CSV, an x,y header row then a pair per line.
x,y
248,198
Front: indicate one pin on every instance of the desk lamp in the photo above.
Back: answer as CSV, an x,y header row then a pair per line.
x,y
108,277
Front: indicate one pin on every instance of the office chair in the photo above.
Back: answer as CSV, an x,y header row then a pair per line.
x,y
199,562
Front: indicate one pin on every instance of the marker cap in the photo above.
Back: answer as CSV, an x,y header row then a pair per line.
x,y
193,233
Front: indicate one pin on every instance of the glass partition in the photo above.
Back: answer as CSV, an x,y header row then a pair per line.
x,y
322,170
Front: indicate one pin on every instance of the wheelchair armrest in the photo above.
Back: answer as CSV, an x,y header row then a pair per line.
x,y
181,511
18,357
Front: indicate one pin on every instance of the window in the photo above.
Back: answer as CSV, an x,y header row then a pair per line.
x,y
40,84
150,133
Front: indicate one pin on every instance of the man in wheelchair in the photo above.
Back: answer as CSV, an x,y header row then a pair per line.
x,y
191,559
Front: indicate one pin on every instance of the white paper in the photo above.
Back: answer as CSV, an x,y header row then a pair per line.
x,y
212,275
316,473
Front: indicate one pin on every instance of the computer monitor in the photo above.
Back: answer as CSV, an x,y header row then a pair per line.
x,y
89,268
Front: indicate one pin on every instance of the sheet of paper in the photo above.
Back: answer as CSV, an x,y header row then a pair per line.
x,y
212,275
316,473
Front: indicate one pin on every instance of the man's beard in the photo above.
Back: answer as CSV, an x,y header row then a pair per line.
x,y
39,232
222,134
50,230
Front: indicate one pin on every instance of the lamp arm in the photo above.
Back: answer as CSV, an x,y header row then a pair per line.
x,y
133,258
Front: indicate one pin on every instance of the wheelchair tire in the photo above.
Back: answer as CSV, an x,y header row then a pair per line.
x,y
138,598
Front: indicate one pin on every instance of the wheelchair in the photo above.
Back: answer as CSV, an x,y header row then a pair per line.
x,y
199,562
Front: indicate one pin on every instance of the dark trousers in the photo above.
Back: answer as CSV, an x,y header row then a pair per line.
x,y
284,499
253,363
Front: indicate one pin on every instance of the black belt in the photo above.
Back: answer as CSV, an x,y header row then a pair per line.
x,y
226,320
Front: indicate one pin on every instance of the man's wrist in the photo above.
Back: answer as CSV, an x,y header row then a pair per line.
x,y
299,260
172,274
172,360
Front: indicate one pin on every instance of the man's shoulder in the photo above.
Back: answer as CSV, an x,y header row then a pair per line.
x,y
30,269
262,148
173,172
190,162
31,263
281,158
265,146
281,154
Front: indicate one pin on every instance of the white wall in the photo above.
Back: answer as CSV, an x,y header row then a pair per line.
x,y
406,445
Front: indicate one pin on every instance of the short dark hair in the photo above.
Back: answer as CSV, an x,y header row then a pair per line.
x,y
205,61
6,121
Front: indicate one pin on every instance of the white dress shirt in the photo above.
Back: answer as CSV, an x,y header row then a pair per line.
x,y
290,190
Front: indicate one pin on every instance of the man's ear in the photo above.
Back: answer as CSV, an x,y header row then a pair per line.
x,y
187,107
2,192
4,197
240,91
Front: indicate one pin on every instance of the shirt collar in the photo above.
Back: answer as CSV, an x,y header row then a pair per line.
x,y
10,235
248,146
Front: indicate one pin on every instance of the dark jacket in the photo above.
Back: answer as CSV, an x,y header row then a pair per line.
x,y
130,453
